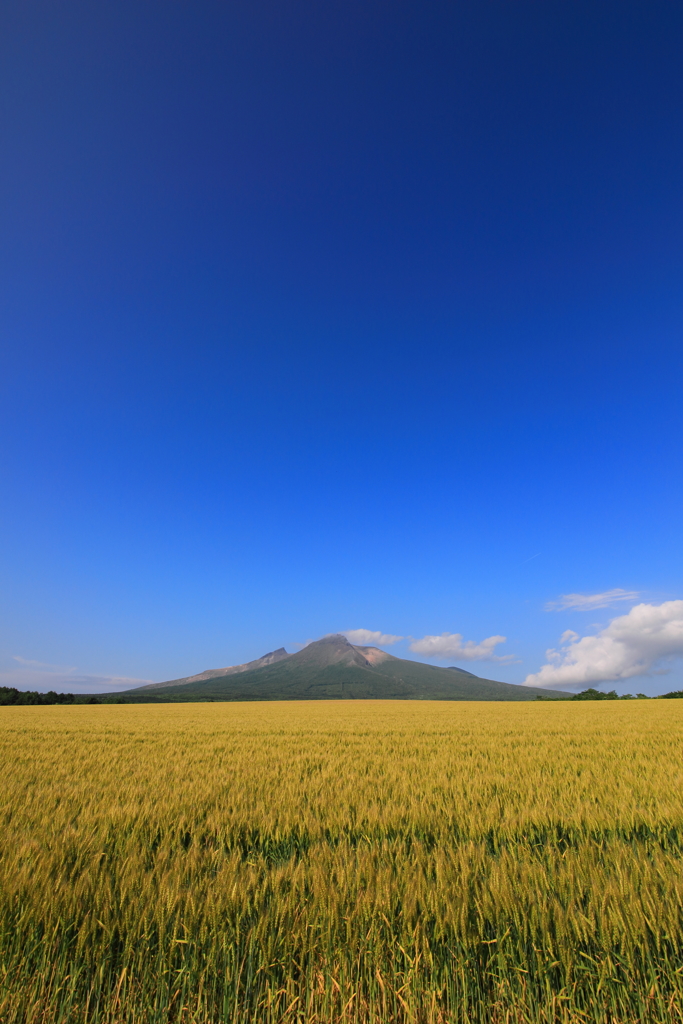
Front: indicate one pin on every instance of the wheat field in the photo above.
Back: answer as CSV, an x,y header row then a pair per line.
x,y
361,861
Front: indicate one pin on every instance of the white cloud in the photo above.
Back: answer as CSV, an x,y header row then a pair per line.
x,y
450,645
370,637
587,602
632,645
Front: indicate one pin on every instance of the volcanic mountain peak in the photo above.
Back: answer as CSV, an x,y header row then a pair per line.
x,y
333,649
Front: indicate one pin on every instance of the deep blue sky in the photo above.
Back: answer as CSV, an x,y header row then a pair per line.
x,y
321,316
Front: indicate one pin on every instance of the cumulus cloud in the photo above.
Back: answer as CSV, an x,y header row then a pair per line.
x,y
587,602
370,637
451,645
635,644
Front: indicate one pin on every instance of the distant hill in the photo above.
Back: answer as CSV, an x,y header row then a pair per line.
x,y
332,669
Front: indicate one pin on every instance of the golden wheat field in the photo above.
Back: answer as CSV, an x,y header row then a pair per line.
x,y
342,861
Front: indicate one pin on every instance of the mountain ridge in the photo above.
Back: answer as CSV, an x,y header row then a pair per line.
x,y
215,673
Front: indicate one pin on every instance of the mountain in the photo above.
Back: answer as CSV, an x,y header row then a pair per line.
x,y
332,669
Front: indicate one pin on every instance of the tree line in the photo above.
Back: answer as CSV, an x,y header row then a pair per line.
x,y
9,696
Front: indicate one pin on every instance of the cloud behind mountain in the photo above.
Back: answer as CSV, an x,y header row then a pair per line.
x,y
451,645
363,637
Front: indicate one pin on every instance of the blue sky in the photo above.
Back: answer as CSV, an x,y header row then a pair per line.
x,y
320,317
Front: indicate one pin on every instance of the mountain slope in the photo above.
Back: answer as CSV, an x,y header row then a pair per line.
x,y
333,669
217,673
